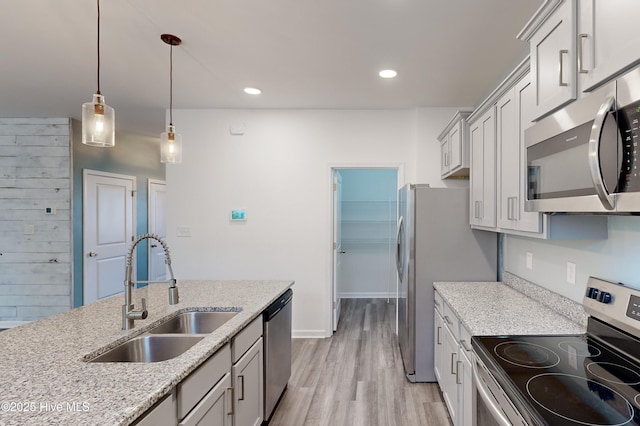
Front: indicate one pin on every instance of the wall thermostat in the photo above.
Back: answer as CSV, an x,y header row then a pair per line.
x,y
239,214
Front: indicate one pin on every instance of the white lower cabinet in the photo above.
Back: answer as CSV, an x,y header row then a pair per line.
x,y
248,375
452,357
215,408
226,390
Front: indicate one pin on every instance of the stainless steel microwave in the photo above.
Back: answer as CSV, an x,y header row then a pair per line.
x,y
583,158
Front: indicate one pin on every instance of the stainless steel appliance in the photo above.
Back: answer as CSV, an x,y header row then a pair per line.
x,y
584,157
434,243
589,379
277,351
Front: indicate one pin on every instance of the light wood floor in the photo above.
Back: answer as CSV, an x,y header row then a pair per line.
x,y
356,377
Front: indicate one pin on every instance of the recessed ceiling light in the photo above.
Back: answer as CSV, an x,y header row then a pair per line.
x,y
252,91
388,73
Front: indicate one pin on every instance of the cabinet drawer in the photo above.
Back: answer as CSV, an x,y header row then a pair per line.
x,y
465,341
161,414
438,303
451,321
245,339
192,389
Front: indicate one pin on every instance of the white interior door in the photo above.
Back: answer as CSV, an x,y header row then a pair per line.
x,y
108,224
337,245
157,208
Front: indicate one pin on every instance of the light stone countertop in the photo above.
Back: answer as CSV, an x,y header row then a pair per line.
x,y
44,378
493,308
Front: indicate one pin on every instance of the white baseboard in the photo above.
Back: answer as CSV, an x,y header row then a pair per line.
x,y
309,334
11,324
368,295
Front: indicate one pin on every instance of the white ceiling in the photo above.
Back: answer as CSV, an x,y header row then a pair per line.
x,y
301,53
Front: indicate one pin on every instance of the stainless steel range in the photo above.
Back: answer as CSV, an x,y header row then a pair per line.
x,y
588,379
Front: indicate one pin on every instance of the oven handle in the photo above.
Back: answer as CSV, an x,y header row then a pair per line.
x,y
594,153
490,403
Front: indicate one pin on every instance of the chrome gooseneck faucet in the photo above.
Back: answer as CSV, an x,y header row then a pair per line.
x,y
129,314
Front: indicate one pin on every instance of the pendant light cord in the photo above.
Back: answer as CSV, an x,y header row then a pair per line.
x,y
98,1
171,85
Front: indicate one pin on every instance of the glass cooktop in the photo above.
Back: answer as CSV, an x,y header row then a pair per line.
x,y
565,379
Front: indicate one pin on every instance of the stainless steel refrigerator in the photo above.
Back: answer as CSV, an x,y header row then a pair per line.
x,y
434,243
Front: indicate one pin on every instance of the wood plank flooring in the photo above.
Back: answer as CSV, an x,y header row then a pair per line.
x,y
356,377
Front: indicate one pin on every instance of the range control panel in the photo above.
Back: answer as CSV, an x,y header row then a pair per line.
x,y
614,303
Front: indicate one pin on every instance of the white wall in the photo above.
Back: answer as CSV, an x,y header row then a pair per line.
x,y
280,171
615,259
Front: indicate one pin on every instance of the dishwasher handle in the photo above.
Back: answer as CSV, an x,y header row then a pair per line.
x,y
277,306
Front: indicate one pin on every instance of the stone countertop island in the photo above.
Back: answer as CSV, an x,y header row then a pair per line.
x,y
45,377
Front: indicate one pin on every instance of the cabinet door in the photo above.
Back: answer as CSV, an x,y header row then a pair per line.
x,y
456,160
438,333
215,409
248,375
553,60
524,101
508,152
444,157
483,171
162,413
608,40
450,387
465,390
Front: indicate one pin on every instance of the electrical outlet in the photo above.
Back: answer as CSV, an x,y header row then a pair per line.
x,y
184,231
571,273
529,260
29,229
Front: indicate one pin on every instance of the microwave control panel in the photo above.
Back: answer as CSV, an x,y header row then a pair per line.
x,y
628,119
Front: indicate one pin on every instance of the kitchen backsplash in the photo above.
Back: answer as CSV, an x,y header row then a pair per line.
x,y
564,306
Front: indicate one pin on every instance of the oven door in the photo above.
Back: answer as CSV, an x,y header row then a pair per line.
x,y
492,406
573,156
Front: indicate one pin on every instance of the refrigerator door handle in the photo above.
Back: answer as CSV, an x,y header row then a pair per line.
x,y
399,260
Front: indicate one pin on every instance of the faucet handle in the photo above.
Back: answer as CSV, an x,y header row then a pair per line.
x,y
144,313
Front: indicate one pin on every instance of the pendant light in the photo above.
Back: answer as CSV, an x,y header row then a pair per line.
x,y
170,141
98,118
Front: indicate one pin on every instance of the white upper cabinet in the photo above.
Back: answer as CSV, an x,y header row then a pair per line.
x,y
553,60
454,144
513,116
483,170
608,40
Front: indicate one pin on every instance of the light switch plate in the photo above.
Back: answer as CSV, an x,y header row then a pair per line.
x,y
571,272
184,231
529,260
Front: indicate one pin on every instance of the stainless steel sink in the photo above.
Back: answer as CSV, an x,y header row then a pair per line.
x,y
193,323
149,349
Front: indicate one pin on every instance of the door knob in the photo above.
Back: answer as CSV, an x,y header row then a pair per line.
x,y
154,245
342,252
92,254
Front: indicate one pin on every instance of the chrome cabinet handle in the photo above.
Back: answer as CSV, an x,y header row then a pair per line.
x,y
241,397
438,336
92,254
453,355
458,382
448,320
463,343
594,153
561,74
230,392
581,38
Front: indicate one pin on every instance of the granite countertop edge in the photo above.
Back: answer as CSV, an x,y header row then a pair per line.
x,y
114,393
493,308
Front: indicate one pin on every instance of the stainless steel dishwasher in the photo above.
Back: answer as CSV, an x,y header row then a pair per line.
x,y
277,351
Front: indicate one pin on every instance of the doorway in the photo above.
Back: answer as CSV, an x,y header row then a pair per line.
x,y
364,230
157,224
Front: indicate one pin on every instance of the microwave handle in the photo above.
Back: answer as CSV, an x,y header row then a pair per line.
x,y
594,153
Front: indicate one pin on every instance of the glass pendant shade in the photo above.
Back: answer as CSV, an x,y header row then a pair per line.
x,y
98,123
171,146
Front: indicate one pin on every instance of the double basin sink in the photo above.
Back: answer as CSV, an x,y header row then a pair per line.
x,y
168,339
